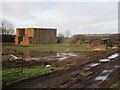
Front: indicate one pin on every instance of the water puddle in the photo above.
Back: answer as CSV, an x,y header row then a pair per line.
x,y
117,66
29,59
91,65
113,56
55,56
87,68
14,57
104,60
106,71
72,54
104,74
62,56
94,64
65,54
101,78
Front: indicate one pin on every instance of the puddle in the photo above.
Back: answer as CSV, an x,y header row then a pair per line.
x,y
48,58
15,57
37,56
113,56
118,66
104,60
72,54
94,64
106,71
62,56
101,78
59,56
110,57
89,66
65,54
29,59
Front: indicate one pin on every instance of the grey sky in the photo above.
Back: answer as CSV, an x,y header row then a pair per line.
x,y
77,17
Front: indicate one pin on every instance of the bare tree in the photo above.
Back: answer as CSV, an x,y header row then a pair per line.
x,y
67,33
61,38
78,38
6,27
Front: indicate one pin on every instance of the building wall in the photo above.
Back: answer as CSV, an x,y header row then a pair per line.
x,y
26,36
96,43
99,42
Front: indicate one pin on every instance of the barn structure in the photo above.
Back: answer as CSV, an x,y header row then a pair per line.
x,y
27,36
104,41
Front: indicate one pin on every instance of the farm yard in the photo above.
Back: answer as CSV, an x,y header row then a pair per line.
x,y
59,44
23,62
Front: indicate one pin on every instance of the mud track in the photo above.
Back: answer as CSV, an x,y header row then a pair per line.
x,y
97,75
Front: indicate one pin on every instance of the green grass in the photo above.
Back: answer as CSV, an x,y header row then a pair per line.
x,y
5,57
27,73
56,48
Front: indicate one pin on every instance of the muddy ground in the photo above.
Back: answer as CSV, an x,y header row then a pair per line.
x,y
99,73
61,60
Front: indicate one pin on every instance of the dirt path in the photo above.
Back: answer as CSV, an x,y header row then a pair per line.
x,y
100,75
91,75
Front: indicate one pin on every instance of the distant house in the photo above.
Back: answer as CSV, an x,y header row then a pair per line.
x,y
26,36
95,43
104,41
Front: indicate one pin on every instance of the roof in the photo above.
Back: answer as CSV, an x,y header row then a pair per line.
x,y
105,39
35,28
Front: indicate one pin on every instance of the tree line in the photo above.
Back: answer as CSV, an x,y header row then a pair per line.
x,y
6,27
7,31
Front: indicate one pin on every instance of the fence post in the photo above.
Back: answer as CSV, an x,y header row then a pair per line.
x,y
22,62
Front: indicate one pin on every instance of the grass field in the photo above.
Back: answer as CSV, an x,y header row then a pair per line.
x,y
53,48
56,48
36,70
27,73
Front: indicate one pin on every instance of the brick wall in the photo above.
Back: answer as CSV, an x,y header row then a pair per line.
x,y
96,43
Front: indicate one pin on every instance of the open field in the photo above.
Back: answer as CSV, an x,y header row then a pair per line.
x,y
55,48
36,57
47,45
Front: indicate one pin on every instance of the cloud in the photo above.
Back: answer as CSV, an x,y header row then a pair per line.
x,y
78,17
19,10
60,1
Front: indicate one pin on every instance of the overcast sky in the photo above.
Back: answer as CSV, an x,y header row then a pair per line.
x,y
76,17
